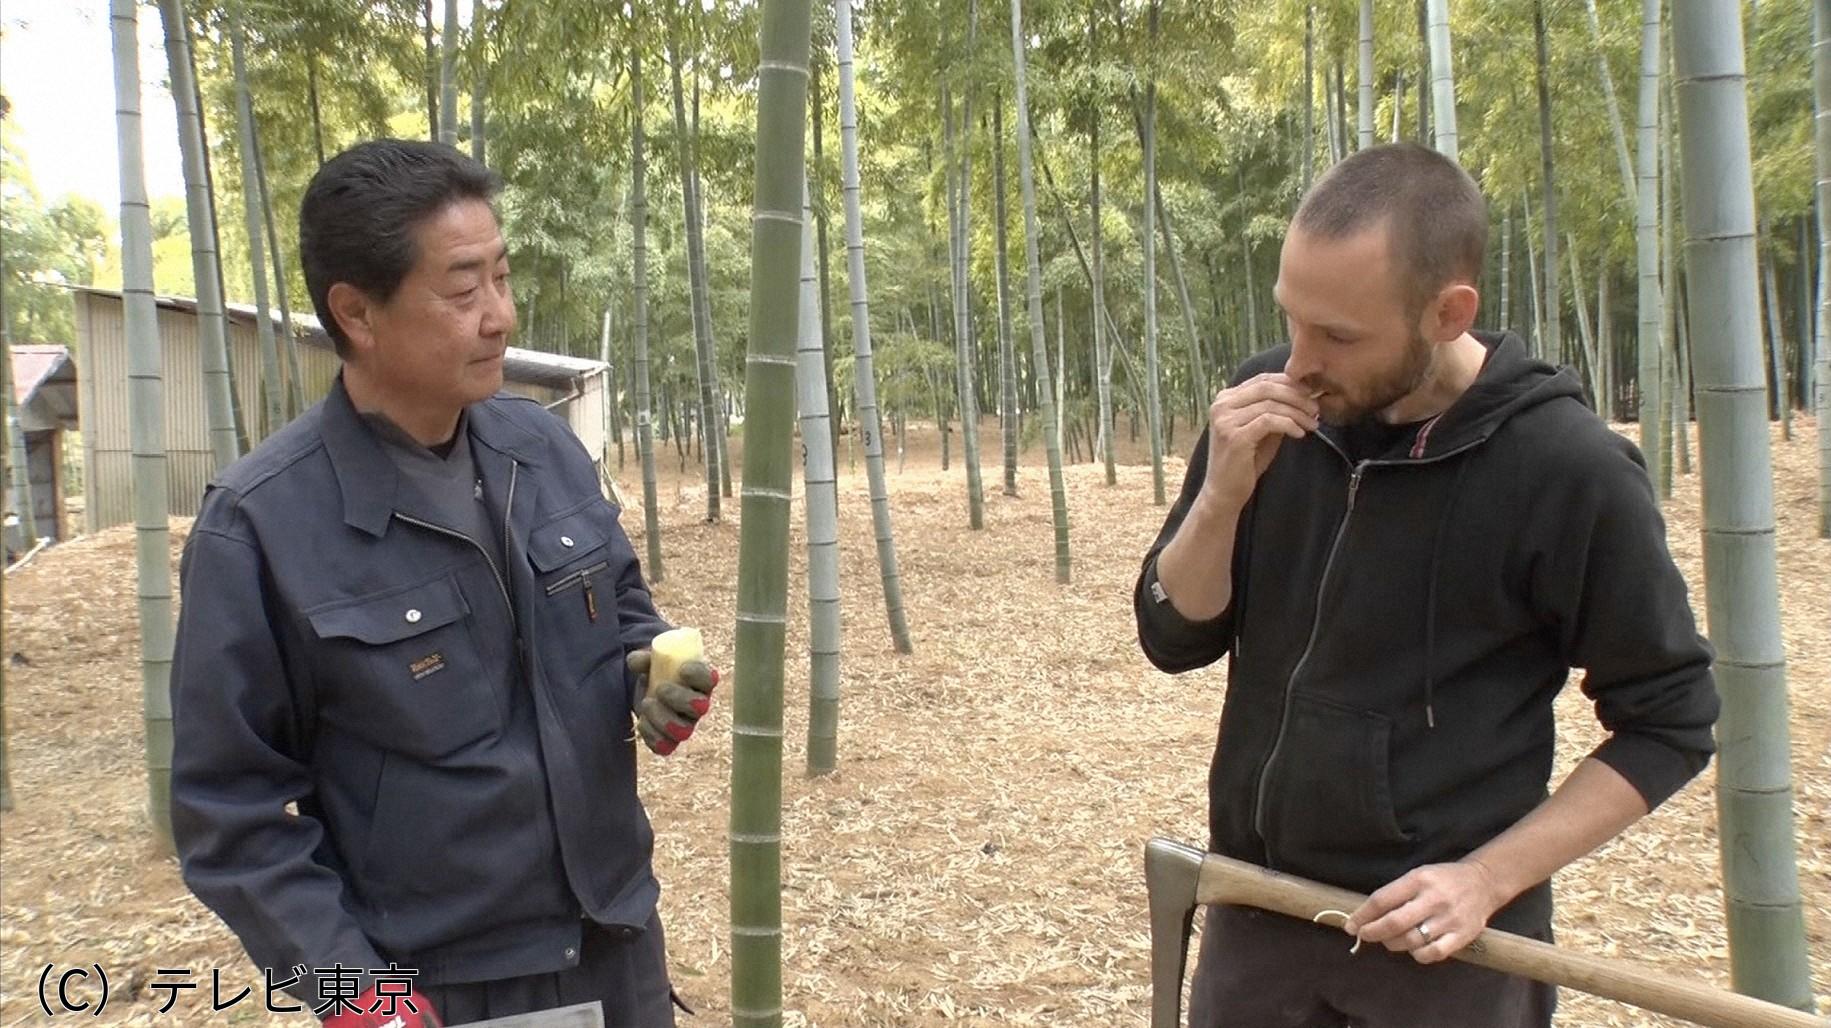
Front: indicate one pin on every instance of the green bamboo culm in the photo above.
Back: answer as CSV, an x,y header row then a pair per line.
x,y
1007,357
960,205
1103,358
612,429
1306,146
1052,439
1676,339
762,589
448,76
1613,107
1364,120
1821,98
864,378
712,442
478,79
1776,340
271,387
1652,344
821,505
1504,313
1442,82
1550,298
1767,946
1152,377
1198,361
200,210
638,223
289,341
146,415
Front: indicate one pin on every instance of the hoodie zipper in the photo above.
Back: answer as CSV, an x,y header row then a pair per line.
x,y
1290,683
1284,716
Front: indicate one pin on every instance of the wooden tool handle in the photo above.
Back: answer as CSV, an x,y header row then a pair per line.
x,y
1224,880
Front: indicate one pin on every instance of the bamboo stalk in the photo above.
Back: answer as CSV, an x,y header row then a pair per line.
x,y
1821,99
864,378
1754,785
638,221
1039,347
821,510
272,387
762,588
146,415
1442,81
200,212
1651,343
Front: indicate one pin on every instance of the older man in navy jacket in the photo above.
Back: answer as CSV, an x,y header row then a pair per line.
x,y
412,641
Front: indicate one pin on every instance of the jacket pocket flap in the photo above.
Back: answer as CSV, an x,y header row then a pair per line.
x,y
567,539
393,615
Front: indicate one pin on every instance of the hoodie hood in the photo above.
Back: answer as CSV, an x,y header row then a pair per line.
x,y
1511,381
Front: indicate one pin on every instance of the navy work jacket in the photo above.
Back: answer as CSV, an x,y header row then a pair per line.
x,y
388,746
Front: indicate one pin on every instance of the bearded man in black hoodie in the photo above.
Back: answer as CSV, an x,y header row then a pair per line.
x,y
1404,534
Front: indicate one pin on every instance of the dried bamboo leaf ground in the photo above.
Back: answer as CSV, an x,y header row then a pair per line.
x,y
975,860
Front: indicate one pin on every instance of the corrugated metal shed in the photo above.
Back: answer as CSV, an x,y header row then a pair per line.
x,y
562,383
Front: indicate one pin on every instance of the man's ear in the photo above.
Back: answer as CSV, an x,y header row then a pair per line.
x,y
354,311
1451,314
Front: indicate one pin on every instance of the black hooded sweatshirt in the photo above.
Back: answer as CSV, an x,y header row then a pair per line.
x,y
1401,623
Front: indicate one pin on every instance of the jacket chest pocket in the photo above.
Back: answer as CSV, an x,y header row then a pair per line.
x,y
400,668
575,567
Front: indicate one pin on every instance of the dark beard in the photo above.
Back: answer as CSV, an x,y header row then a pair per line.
x,y
1413,371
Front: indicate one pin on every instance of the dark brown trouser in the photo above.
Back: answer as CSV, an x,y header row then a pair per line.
x,y
629,976
1264,970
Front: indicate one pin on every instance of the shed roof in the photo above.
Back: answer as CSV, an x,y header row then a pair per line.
x,y
533,367
44,387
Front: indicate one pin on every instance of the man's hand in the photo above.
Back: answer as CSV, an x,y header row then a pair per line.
x,y
374,1011
1431,912
667,715
1246,424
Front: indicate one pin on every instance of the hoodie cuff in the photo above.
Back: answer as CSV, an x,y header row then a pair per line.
x,y
1655,768
1173,642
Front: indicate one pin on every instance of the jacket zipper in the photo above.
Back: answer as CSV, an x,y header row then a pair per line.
x,y
577,576
1290,683
495,573
582,575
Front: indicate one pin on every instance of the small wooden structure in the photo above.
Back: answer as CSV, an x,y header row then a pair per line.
x,y
572,387
44,389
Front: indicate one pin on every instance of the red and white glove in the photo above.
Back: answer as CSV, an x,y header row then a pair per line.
x,y
667,717
394,1010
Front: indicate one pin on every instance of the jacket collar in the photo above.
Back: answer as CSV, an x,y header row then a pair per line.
x,y
492,426
366,476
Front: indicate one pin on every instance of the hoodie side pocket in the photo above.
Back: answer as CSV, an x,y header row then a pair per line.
x,y
1331,800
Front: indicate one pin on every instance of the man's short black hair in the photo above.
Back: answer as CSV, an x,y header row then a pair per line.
x,y
1438,218
357,220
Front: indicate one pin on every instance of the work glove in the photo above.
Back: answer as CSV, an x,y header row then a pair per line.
x,y
667,715
374,1011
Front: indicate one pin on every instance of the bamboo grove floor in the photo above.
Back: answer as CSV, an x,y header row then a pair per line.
x,y
976,858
